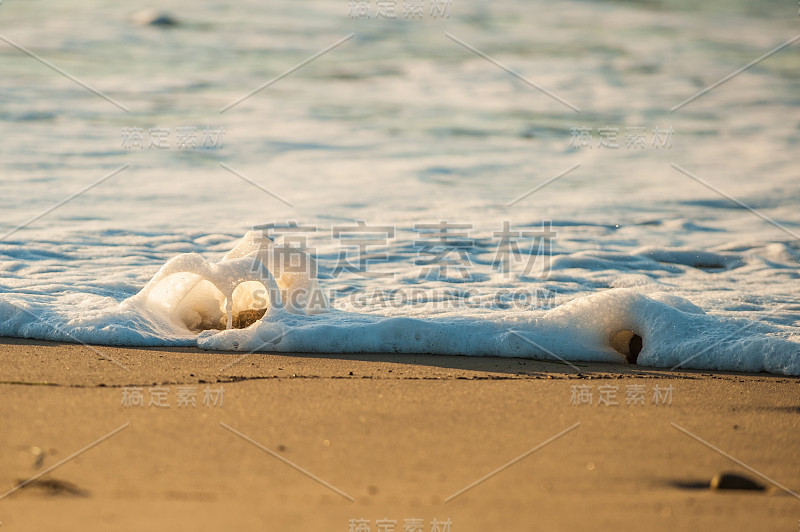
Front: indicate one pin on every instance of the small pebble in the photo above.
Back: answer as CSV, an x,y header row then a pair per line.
x,y
151,17
38,457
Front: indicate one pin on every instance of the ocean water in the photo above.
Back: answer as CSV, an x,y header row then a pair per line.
x,y
510,178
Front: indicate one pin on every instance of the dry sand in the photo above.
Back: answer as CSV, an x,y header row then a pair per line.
x,y
398,434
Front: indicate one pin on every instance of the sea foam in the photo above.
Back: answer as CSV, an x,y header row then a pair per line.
x,y
288,312
266,297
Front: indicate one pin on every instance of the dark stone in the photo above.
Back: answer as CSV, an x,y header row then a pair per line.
x,y
151,17
734,481
163,21
634,348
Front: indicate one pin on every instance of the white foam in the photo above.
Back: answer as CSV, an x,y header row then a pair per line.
x,y
674,333
192,293
194,301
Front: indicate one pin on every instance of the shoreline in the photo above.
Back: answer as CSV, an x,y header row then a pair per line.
x,y
94,359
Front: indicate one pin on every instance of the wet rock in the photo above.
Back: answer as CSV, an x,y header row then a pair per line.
x,y
628,344
634,348
247,317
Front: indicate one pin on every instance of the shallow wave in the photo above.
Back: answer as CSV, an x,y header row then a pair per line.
x,y
249,301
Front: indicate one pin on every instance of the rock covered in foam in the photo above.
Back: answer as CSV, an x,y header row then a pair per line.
x,y
196,295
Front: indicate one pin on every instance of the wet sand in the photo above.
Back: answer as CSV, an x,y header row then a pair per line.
x,y
311,442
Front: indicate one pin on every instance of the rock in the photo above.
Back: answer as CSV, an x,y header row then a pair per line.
x,y
634,348
151,17
247,317
628,344
734,481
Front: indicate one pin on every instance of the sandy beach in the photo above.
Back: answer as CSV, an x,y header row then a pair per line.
x,y
387,442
